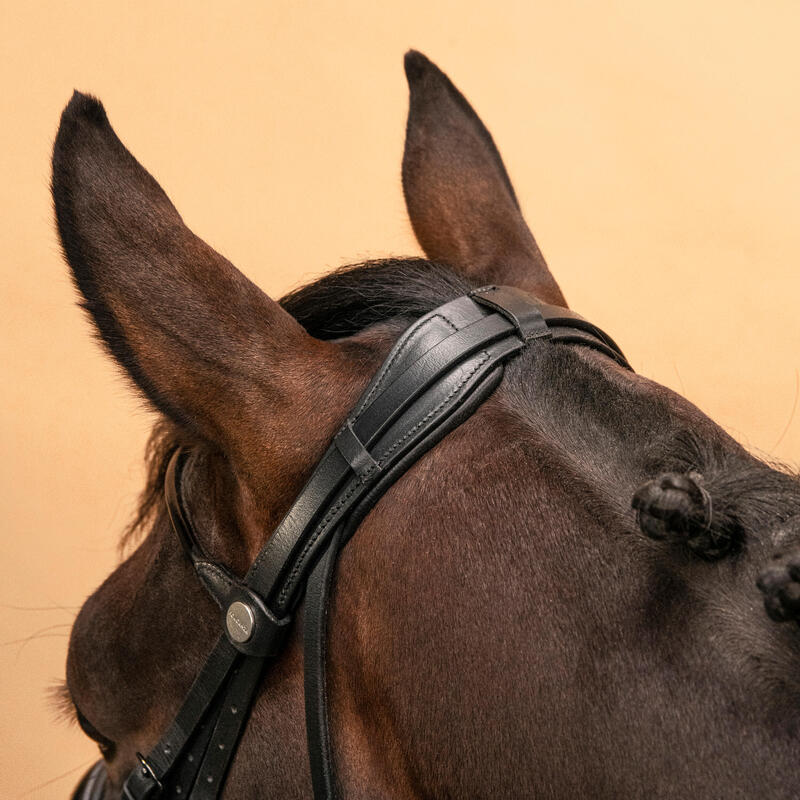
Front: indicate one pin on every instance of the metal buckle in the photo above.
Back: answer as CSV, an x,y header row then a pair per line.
x,y
148,771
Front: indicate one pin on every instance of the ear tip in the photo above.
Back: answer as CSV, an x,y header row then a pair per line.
x,y
417,65
83,111
82,116
84,107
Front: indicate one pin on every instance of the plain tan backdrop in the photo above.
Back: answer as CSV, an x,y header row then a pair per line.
x,y
654,148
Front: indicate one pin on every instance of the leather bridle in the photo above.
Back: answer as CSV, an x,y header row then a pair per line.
x,y
438,373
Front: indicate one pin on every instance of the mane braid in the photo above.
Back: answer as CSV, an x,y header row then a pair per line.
x,y
748,491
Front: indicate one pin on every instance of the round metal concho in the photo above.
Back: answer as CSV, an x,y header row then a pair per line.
x,y
240,621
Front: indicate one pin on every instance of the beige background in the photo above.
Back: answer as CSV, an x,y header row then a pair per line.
x,y
654,148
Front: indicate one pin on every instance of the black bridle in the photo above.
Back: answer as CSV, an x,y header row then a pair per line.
x,y
439,372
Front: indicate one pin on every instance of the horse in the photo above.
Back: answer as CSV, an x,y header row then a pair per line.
x,y
582,590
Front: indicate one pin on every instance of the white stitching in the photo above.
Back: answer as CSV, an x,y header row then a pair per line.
x,y
441,405
403,347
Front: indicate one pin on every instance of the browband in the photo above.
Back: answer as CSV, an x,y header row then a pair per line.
x,y
438,373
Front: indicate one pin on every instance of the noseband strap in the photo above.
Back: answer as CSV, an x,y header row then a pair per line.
x,y
439,372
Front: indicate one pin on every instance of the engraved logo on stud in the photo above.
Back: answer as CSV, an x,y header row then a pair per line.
x,y
239,620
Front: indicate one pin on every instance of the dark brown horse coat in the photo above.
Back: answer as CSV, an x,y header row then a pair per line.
x,y
501,627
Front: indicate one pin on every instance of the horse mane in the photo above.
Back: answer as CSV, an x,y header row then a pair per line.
x,y
354,297
752,495
338,305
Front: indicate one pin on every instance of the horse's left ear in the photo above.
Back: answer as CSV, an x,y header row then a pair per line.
x,y
202,343
462,206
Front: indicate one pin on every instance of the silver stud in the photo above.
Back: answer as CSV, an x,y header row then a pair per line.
x,y
239,621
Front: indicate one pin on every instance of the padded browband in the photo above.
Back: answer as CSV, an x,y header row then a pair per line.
x,y
436,375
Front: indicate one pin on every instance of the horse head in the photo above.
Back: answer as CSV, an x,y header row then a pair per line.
x,y
560,599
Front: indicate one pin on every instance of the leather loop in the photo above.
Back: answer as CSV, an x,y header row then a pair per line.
x,y
515,305
217,580
354,452
178,516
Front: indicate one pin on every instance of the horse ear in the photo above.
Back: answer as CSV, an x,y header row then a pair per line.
x,y
462,206
204,345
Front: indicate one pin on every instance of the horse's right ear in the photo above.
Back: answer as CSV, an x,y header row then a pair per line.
x,y
459,197
205,345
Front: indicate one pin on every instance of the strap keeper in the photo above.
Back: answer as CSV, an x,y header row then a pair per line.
x,y
353,451
518,307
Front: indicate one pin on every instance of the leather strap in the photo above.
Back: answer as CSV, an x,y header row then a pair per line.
x,y
567,327
320,748
315,628
428,381
234,710
148,779
441,369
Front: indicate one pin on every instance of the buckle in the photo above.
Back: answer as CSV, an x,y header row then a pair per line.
x,y
143,782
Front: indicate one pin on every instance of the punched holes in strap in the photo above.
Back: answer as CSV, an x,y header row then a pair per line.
x,y
517,307
354,452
